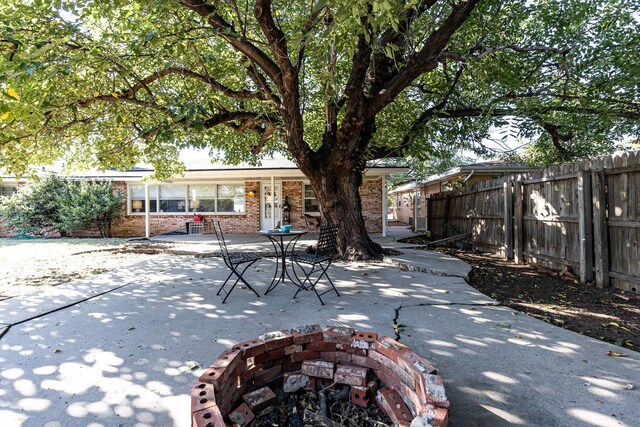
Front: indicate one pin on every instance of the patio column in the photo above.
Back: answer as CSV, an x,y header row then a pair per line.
x,y
273,202
147,208
385,216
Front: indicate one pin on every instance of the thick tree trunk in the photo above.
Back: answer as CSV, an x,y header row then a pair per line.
x,y
337,191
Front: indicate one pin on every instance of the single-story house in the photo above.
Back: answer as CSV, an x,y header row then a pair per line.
x,y
404,195
243,198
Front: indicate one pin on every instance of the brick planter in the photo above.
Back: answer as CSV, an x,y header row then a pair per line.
x,y
241,381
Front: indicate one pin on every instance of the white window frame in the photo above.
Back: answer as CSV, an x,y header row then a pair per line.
x,y
304,210
186,198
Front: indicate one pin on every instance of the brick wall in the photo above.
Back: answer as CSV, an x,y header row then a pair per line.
x,y
371,195
249,222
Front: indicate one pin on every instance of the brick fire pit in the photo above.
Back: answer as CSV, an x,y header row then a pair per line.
x,y
241,381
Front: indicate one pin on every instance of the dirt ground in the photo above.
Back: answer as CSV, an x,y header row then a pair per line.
x,y
610,315
26,265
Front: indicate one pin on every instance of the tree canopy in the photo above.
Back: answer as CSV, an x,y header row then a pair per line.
x,y
108,83
331,83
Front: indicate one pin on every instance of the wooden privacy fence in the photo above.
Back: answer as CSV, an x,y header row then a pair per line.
x,y
583,216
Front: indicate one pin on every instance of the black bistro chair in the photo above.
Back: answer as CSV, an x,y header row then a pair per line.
x,y
238,262
306,264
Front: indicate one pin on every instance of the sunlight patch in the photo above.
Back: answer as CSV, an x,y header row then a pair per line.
x,y
507,416
594,418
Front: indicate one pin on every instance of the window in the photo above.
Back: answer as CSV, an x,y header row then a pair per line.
x,y
399,200
172,198
230,198
180,199
202,198
136,197
310,201
7,190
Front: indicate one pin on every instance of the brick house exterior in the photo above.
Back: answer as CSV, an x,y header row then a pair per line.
x,y
249,184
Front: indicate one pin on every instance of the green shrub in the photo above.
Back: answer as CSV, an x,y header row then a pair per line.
x,y
35,207
92,204
60,205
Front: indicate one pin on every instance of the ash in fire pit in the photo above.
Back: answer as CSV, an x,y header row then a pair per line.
x,y
313,377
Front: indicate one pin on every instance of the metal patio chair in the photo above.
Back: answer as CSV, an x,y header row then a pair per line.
x,y
317,262
238,263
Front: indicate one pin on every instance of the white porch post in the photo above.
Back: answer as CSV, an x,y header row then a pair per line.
x,y
273,202
385,216
147,208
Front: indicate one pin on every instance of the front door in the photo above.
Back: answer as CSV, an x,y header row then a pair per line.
x,y
267,198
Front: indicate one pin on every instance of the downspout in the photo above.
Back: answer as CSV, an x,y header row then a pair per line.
x,y
469,176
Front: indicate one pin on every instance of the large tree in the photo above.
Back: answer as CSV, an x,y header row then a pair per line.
x,y
332,83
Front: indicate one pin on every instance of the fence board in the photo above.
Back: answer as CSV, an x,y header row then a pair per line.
x,y
556,221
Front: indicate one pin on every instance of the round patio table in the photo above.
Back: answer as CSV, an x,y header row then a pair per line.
x,y
278,239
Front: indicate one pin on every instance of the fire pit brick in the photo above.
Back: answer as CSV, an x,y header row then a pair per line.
x,y
276,340
305,355
393,367
321,346
365,361
363,339
242,415
433,389
215,376
306,358
432,417
318,368
338,334
306,334
211,417
259,399
360,396
350,375
250,348
336,356
202,397
390,402
267,375
390,347
294,381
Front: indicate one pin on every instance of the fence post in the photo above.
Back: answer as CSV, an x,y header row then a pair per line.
x,y
447,214
427,216
518,223
508,220
585,220
601,237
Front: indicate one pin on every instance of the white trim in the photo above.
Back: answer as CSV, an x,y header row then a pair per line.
x,y
304,210
147,199
385,195
273,200
147,214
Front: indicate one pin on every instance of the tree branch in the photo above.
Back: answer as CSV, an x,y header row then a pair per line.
x,y
225,30
457,56
426,59
240,94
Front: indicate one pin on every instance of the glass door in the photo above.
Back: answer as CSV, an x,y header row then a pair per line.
x,y
269,206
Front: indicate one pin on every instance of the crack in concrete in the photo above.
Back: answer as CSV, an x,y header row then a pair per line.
x,y
408,267
398,327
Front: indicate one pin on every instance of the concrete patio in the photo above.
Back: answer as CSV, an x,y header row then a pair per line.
x,y
124,348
